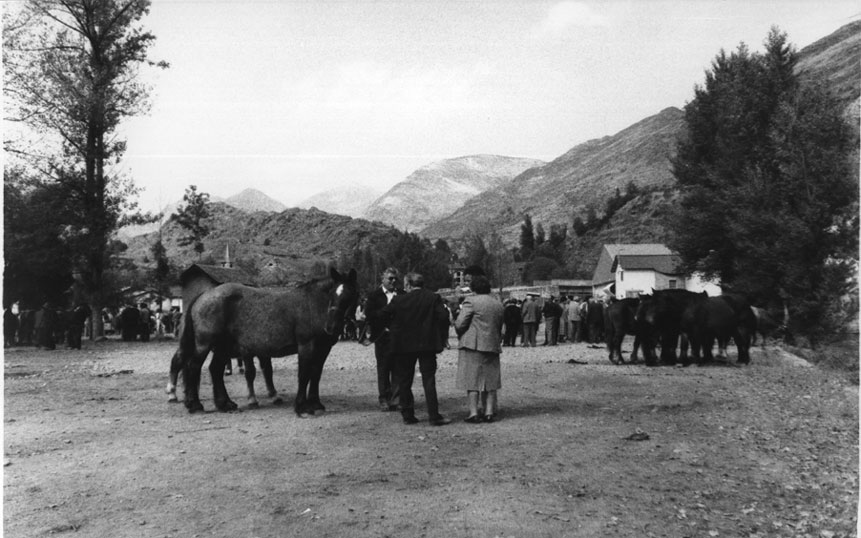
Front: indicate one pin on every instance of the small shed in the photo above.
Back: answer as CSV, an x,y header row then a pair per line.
x,y
199,278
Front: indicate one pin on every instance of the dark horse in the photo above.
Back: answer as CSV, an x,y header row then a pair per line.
x,y
619,320
236,320
699,320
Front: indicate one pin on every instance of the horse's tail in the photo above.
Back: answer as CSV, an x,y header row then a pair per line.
x,y
186,333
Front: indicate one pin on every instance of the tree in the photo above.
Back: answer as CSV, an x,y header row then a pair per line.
x,y
191,215
37,263
769,191
72,76
540,235
527,238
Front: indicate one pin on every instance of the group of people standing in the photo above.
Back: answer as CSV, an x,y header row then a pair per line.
x,y
567,319
45,327
410,326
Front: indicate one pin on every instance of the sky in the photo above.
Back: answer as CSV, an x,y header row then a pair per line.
x,y
297,97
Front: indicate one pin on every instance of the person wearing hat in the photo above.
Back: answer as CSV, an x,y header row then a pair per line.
x,y
531,317
551,312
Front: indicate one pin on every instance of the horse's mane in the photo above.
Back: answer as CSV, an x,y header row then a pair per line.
x,y
316,281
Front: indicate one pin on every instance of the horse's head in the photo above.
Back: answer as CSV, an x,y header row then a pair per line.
x,y
343,298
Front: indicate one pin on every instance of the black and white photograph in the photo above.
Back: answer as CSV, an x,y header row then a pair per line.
x,y
432,269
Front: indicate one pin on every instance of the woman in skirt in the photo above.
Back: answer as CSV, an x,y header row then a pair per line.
x,y
479,329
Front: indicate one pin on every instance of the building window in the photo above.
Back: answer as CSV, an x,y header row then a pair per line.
x,y
672,284
621,276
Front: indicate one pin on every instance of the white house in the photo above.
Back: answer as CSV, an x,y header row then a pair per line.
x,y
626,270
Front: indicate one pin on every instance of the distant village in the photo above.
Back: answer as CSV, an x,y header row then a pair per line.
x,y
622,270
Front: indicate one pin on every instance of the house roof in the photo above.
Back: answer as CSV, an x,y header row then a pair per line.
x,y
604,270
219,274
662,263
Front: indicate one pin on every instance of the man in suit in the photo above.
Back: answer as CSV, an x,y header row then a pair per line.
x,y
418,326
531,317
512,322
379,335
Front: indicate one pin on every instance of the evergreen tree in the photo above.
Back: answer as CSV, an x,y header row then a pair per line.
x,y
191,215
540,235
527,238
769,191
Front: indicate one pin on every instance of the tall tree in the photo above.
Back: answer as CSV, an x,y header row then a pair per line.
x,y
72,71
191,215
527,238
769,191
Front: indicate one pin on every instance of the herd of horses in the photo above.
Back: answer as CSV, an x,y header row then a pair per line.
x,y
234,320
692,322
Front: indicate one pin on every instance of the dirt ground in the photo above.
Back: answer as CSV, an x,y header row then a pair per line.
x,y
93,448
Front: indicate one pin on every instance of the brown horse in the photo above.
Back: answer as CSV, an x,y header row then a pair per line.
x,y
235,320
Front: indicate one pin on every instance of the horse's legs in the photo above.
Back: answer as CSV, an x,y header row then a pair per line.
x,y
250,374
618,338
634,357
266,366
321,353
742,344
173,377
219,391
306,356
191,381
668,347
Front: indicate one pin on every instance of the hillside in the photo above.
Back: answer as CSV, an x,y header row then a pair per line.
x,y
438,189
836,61
583,177
292,240
352,200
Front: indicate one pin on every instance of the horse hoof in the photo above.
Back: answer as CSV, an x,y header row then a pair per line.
x,y
194,407
254,405
277,401
227,407
173,399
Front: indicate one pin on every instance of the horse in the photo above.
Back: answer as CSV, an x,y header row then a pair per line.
x,y
766,325
237,320
619,320
660,315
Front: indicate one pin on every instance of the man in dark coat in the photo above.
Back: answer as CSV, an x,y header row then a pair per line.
x,y
387,386
46,324
511,318
418,326
129,321
551,312
77,318
144,322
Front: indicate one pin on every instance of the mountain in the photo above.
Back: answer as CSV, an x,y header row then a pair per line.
x,y
439,188
583,177
351,200
252,200
836,61
294,240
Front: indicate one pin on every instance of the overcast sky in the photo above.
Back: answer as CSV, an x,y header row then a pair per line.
x,y
293,98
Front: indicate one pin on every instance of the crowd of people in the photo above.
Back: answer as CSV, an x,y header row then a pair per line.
x,y
50,326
